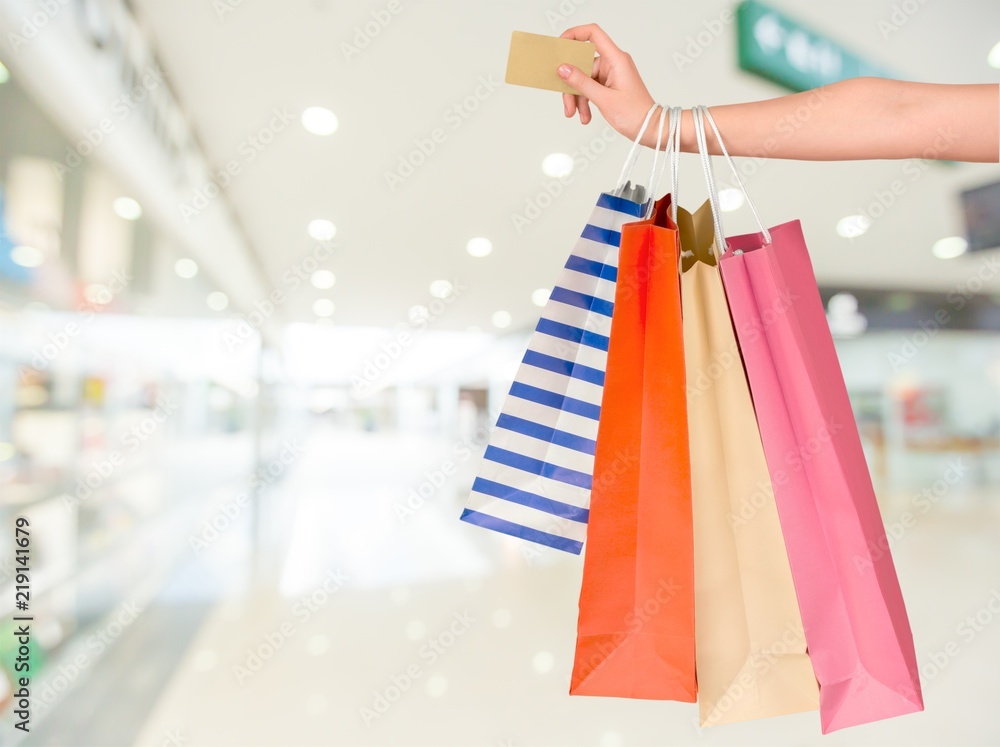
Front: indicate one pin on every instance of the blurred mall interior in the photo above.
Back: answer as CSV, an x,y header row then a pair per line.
x,y
267,270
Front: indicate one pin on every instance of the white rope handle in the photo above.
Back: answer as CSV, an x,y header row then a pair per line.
x,y
736,173
633,153
653,183
655,178
675,159
698,119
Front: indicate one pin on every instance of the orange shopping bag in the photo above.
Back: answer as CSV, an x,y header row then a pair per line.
x,y
635,634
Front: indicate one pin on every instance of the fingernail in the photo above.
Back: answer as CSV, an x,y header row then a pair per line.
x,y
564,71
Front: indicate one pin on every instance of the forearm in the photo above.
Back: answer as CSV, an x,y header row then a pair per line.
x,y
862,118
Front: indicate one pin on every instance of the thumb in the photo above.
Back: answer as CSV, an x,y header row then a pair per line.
x,y
584,84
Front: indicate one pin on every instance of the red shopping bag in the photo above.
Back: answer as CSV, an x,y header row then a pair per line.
x,y
636,624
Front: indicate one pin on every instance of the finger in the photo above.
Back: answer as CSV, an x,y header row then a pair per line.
x,y
583,104
584,85
569,104
593,33
596,72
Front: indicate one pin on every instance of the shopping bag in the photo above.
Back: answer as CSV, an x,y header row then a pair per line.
x,y
635,631
856,626
751,651
536,475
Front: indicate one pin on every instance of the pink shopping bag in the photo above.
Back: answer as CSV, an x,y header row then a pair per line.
x,y
855,622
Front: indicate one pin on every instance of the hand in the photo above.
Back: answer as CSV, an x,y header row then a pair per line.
x,y
615,86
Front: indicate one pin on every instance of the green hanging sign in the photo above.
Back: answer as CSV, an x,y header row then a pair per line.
x,y
782,50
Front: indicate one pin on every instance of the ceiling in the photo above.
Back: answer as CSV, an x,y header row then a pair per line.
x,y
232,69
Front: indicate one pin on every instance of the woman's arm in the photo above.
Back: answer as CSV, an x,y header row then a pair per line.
x,y
861,118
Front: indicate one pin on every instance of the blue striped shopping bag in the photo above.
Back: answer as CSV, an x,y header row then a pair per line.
x,y
536,475
535,478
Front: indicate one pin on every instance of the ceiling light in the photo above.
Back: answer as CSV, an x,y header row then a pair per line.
x,y
441,289
206,660
501,320
479,247
557,165
993,58
415,630
4,74
437,686
217,301
540,297
730,199
127,208
850,325
186,268
843,316
852,226
323,279
543,662
323,307
842,303
322,230
318,644
950,247
319,121
26,256
418,313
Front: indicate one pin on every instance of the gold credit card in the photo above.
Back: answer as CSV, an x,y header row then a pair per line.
x,y
534,58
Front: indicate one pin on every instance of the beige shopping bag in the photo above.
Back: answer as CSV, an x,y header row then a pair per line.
x,y
751,659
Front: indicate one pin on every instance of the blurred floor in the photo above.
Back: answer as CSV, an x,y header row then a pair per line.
x,y
471,639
